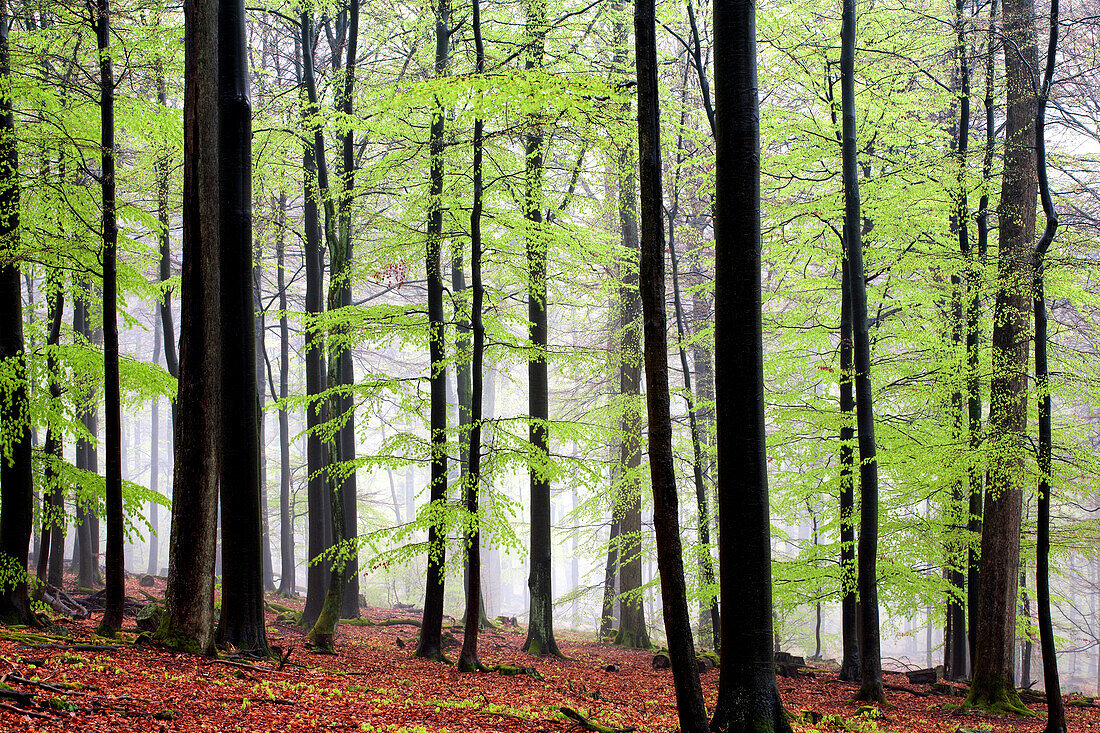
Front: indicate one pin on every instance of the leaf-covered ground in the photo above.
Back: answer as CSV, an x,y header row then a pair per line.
x,y
375,684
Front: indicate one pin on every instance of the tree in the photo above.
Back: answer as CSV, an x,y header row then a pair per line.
x,y
242,611
993,670
651,287
188,619
16,483
1056,713
632,626
850,670
748,697
468,660
870,657
112,407
430,644
287,581
540,630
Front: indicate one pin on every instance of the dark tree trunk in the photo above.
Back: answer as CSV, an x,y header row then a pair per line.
x,y
51,561
957,549
870,655
748,697
17,493
468,659
540,630
242,614
1056,713
86,550
651,285
343,582
706,563
188,620
973,374
318,500
260,352
153,565
431,630
287,578
993,684
112,408
849,608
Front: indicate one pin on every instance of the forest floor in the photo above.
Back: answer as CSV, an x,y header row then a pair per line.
x,y
374,683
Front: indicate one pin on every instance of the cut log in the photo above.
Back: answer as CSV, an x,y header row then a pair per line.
x,y
924,676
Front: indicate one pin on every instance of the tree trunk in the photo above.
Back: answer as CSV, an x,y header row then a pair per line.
x,y
188,620
287,573
973,379
17,492
993,684
242,613
430,645
870,656
850,670
651,285
1056,713
468,659
748,697
112,408
87,544
540,630
153,564
260,328
318,500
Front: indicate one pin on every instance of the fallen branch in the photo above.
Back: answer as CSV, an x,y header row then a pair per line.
x,y
590,725
21,711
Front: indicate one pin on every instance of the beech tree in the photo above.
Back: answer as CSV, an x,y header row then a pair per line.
x,y
16,482
188,619
748,697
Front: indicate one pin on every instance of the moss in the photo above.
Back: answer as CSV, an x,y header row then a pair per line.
x,y
172,637
995,695
627,638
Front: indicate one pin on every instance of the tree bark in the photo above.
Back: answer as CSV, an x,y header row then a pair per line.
x,y
16,482
430,645
112,408
287,580
849,607
748,697
651,285
468,660
870,655
188,620
993,685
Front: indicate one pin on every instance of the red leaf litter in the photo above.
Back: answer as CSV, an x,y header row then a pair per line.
x,y
375,684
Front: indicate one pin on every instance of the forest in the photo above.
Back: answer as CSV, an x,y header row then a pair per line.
x,y
549,365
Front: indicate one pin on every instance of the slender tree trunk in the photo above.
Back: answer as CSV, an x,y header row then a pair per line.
x,y
430,645
975,263
540,630
154,459
260,327
287,578
993,684
116,571
1056,713
748,697
318,500
188,620
87,549
632,625
651,285
51,559
870,656
468,659
850,670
